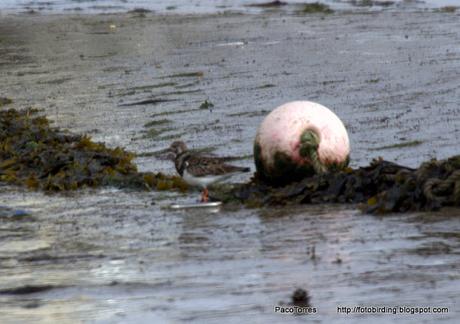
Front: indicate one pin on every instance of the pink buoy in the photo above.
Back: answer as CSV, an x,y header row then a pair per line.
x,y
299,139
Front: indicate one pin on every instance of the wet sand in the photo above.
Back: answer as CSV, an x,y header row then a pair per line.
x,y
138,82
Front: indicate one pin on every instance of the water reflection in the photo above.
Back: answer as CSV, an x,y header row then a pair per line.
x,y
132,257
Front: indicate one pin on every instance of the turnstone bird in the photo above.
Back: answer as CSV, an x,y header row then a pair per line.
x,y
201,171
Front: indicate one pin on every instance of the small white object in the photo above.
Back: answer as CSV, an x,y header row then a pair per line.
x,y
231,44
211,204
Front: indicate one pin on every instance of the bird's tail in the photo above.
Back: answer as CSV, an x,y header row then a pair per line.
x,y
235,172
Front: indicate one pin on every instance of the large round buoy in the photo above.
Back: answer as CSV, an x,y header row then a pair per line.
x,y
299,139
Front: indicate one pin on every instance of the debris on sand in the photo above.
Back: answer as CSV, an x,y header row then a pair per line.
x,y
300,298
25,290
7,212
448,9
316,7
35,155
206,105
371,3
5,101
271,4
298,305
140,11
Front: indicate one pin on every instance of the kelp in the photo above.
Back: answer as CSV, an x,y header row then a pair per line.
x,y
381,187
316,7
38,156
5,101
35,155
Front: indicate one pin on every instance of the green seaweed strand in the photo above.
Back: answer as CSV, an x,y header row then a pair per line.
x,y
309,149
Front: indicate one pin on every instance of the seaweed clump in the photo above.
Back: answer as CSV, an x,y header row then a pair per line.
x,y
5,101
271,4
35,155
300,298
448,9
316,7
381,187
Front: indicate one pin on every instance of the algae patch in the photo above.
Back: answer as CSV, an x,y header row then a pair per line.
x,y
382,187
37,156
448,9
377,80
266,86
206,105
398,145
5,101
197,74
371,3
158,122
272,4
316,7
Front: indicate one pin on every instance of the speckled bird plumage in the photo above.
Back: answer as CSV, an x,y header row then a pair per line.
x,y
199,170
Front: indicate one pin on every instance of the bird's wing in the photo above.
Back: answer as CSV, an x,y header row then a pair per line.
x,y
204,165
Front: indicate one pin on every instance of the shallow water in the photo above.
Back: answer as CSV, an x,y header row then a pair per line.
x,y
205,6
114,256
110,256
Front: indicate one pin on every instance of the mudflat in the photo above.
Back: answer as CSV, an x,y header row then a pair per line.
x,y
141,81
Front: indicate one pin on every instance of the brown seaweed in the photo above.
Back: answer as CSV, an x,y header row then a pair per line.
x,y
35,155
381,187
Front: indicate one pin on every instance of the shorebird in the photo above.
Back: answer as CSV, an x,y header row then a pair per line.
x,y
201,171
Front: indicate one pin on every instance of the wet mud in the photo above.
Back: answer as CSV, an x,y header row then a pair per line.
x,y
109,255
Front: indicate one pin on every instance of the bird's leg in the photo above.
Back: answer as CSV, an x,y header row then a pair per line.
x,y
205,195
